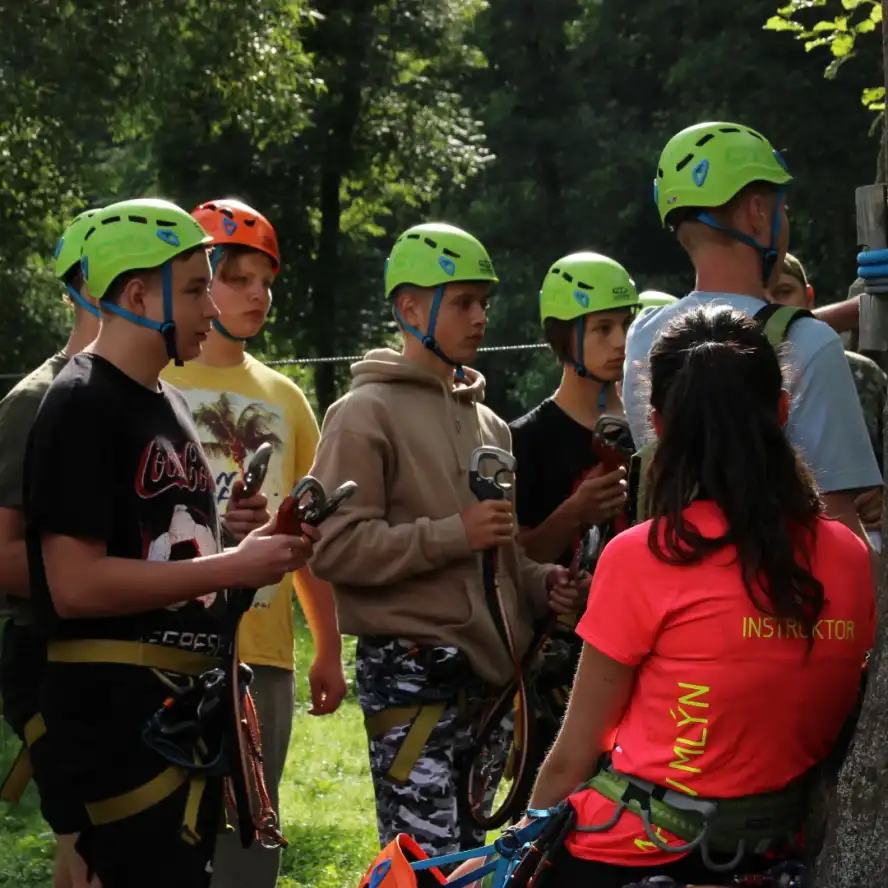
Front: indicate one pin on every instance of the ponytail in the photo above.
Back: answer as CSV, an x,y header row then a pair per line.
x,y
716,385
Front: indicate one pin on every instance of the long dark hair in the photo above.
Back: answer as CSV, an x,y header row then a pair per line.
x,y
716,383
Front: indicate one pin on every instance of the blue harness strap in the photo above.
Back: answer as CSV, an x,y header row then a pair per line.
x,y
428,339
215,256
167,328
79,300
769,254
581,368
504,853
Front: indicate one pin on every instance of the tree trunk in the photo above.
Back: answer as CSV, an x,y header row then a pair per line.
x,y
342,121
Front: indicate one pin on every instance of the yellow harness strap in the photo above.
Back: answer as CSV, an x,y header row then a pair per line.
x,y
130,653
423,718
150,656
21,772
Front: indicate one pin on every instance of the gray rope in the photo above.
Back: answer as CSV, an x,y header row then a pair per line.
x,y
346,359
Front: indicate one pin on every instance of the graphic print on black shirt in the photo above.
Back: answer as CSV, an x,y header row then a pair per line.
x,y
555,456
110,460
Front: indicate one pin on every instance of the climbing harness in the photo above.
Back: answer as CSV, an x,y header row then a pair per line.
x,y
169,665
737,827
510,860
22,769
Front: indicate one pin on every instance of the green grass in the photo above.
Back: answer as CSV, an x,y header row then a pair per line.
x,y
326,799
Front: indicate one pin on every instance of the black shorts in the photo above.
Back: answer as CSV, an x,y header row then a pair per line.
x,y
147,851
22,661
22,666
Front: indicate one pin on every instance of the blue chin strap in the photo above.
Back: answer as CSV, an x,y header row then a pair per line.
x,y
428,339
167,329
82,303
583,371
215,256
769,254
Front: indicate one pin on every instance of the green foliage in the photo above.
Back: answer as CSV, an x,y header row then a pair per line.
x,y
535,125
851,18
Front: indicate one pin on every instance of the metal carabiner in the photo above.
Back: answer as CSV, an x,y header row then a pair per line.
x,y
491,487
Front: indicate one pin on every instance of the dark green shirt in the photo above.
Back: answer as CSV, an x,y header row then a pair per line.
x,y
17,413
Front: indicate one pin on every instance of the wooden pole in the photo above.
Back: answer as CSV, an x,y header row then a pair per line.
x,y
872,225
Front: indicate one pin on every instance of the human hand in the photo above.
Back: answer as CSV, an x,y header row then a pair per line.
x,y
601,497
245,514
565,596
326,681
263,557
489,524
869,508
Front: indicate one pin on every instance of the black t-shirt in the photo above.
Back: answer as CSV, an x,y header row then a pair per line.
x,y
555,455
110,460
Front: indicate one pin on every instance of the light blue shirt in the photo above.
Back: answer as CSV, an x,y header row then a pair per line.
x,y
825,425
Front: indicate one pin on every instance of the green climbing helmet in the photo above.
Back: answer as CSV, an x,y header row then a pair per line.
x,y
583,283
135,234
707,164
434,254
655,298
67,251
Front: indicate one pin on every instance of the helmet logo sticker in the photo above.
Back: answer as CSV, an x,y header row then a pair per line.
x,y
620,292
485,266
168,237
448,265
700,172
229,225
84,267
582,297
58,249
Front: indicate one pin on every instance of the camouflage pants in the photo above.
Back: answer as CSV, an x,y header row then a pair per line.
x,y
393,672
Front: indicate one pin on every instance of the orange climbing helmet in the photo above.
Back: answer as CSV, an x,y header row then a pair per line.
x,y
230,221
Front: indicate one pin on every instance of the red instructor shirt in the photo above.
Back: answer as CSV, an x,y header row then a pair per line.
x,y
725,703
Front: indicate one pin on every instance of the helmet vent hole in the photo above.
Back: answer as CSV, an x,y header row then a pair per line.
x,y
110,219
757,135
412,237
556,271
660,172
431,243
730,129
450,253
567,277
161,223
226,212
141,219
89,233
583,286
683,163
249,222
707,138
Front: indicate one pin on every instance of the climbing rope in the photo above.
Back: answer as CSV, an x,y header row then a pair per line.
x,y
345,359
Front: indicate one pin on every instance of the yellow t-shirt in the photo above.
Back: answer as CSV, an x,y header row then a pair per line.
x,y
236,409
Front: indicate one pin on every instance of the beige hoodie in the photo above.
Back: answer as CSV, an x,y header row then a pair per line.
x,y
396,552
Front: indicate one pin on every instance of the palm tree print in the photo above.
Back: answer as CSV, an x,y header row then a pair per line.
x,y
235,435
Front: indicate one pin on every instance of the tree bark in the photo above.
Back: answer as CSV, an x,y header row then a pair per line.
x,y
342,120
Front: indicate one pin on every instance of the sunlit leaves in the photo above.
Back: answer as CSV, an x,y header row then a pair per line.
x,y
839,32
